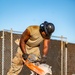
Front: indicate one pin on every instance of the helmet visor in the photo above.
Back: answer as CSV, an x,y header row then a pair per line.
x,y
42,28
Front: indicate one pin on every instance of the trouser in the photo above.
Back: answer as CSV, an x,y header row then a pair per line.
x,y
17,63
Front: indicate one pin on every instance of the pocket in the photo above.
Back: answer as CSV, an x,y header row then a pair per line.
x,y
17,60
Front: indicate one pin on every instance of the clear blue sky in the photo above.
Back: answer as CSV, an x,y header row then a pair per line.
x,y
19,14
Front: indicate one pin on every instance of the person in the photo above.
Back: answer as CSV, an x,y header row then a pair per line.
x,y
30,41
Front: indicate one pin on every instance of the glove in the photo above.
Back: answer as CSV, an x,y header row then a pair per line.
x,y
43,59
25,56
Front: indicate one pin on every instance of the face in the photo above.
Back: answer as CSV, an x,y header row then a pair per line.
x,y
43,34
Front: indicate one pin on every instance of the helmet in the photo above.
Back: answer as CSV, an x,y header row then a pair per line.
x,y
47,27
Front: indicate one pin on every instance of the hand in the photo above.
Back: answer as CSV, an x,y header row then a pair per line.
x,y
43,59
25,56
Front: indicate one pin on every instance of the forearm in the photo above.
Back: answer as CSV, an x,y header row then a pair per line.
x,y
46,46
22,46
45,51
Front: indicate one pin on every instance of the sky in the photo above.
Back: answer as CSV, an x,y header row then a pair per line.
x,y
19,14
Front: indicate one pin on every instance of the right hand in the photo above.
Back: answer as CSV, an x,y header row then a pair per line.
x,y
25,56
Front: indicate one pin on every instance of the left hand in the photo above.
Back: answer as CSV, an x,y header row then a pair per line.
x,y
43,59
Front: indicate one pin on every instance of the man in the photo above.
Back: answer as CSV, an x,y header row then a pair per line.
x,y
29,44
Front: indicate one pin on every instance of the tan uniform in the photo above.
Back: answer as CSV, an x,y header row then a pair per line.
x,y
32,46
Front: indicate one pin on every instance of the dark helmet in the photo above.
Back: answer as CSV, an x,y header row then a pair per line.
x,y
47,27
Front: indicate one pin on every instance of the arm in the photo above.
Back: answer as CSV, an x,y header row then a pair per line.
x,y
24,38
45,50
46,45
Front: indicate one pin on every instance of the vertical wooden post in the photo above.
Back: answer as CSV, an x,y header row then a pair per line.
x,y
11,45
65,59
2,53
61,55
